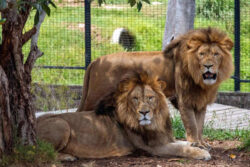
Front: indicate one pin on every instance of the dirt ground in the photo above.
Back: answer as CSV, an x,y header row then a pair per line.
x,y
224,154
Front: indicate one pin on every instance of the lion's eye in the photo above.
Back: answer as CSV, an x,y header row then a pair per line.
x,y
135,99
216,54
151,98
201,54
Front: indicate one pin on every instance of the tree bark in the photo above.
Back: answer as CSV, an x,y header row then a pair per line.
x,y
179,20
17,96
17,116
6,122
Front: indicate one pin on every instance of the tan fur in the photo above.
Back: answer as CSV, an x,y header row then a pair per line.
x,y
181,66
191,53
118,132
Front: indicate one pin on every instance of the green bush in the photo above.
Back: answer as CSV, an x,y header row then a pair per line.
x,y
178,127
217,9
245,142
26,155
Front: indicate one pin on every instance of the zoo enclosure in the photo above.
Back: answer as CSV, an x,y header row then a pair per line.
x,y
147,26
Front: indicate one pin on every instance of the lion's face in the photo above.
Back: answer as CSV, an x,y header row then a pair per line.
x,y
209,57
143,102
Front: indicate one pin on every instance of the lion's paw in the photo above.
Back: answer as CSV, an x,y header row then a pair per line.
x,y
207,146
203,155
201,146
66,157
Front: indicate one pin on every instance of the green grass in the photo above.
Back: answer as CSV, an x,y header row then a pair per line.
x,y
213,134
26,155
62,41
178,127
245,143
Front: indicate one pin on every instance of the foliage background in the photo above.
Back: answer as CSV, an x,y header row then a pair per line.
x,y
62,34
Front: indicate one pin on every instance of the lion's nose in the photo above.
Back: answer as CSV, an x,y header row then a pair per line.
x,y
208,66
144,112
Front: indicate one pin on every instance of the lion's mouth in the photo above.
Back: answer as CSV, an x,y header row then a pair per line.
x,y
144,122
209,76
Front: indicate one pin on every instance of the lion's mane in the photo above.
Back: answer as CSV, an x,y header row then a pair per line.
x,y
125,113
183,49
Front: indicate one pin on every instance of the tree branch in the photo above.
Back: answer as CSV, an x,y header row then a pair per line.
x,y
26,7
27,35
35,53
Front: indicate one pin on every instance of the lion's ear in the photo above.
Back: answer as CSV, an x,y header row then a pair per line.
x,y
170,50
162,84
193,43
227,43
122,86
125,85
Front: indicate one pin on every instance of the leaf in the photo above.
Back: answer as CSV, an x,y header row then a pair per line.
x,y
232,156
132,2
174,159
3,4
147,1
52,3
46,9
2,21
139,6
36,19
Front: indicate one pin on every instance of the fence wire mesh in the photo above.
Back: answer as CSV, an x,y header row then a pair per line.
x,y
62,41
62,34
245,45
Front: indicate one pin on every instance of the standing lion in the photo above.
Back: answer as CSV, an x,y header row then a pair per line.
x,y
193,66
135,116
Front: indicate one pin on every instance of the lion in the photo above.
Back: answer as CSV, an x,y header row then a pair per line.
x,y
193,66
134,117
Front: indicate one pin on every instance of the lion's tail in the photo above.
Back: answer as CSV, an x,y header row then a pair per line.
x,y
85,87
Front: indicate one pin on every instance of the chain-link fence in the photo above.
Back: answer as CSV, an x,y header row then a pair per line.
x,y
245,45
62,35
62,41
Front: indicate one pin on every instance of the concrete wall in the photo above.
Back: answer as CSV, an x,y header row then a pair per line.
x,y
49,97
238,99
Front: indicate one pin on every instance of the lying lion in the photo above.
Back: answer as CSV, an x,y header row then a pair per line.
x,y
134,117
193,66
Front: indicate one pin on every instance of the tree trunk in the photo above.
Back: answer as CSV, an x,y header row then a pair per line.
x,y
6,121
16,100
180,19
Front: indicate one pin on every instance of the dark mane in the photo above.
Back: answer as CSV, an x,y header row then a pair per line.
x,y
106,106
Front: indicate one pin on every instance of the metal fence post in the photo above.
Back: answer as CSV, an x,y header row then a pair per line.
x,y
237,45
87,32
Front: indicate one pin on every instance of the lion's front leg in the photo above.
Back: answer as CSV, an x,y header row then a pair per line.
x,y
200,117
182,149
190,124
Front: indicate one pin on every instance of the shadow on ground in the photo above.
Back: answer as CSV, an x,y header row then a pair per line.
x,y
224,153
